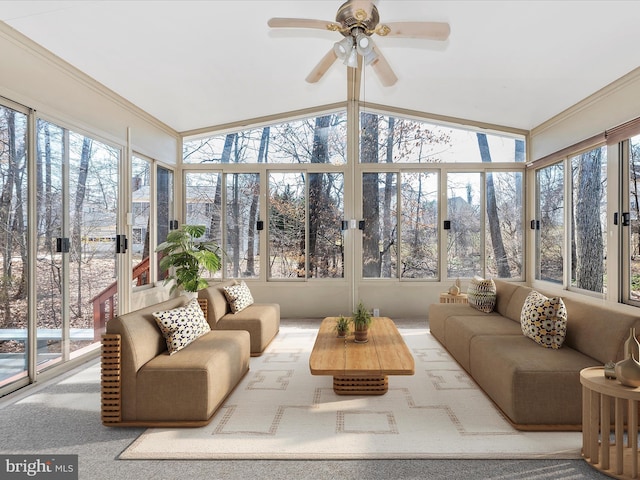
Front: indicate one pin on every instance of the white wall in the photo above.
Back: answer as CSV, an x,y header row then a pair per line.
x,y
613,105
34,77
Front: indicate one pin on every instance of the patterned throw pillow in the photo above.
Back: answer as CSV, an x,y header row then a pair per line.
x,y
181,326
482,294
238,296
544,320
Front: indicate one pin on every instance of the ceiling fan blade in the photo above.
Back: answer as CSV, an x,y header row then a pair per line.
x,y
321,68
383,69
429,30
303,23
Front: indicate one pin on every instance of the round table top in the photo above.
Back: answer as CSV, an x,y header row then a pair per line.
x,y
593,378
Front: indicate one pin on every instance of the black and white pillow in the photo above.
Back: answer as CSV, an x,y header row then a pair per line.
x,y
544,320
181,326
239,296
481,294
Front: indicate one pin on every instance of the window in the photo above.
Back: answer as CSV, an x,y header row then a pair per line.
x,y
504,233
242,238
289,142
632,264
550,223
419,225
305,243
203,196
588,217
141,202
402,140
464,212
380,235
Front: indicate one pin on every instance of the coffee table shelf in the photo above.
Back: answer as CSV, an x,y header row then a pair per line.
x,y
361,368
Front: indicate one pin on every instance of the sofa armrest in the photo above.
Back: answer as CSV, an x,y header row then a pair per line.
x,y
204,306
110,391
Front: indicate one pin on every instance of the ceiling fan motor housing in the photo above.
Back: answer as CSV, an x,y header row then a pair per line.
x,y
351,15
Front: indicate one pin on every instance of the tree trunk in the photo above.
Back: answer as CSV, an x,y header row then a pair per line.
x,y
589,241
388,231
76,239
253,209
216,221
5,215
370,198
317,201
499,251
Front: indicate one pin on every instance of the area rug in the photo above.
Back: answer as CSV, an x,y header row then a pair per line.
x,y
281,411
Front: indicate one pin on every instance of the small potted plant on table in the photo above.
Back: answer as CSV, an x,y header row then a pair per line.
x,y
361,323
342,326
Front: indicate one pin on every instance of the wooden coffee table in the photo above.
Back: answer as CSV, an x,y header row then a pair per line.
x,y
361,368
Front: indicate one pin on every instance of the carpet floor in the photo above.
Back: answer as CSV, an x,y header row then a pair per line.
x,y
280,410
62,416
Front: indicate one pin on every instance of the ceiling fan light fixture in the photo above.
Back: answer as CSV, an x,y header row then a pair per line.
x,y
370,57
343,48
364,44
352,58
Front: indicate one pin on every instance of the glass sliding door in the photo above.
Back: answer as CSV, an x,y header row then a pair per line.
x,y
632,233
93,209
164,208
464,237
52,284
141,216
13,246
242,243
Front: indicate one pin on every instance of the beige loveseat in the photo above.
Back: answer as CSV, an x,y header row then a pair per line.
x,y
261,320
537,388
142,385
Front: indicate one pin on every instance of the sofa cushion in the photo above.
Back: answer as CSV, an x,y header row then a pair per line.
x,y
181,326
261,320
460,329
191,385
544,320
482,294
531,385
239,296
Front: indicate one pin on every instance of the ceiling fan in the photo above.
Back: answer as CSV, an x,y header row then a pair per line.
x,y
357,21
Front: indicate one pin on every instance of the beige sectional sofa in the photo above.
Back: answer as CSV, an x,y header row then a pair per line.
x,y
261,320
536,388
142,385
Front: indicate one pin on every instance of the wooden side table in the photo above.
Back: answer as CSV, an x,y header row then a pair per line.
x,y
619,458
448,298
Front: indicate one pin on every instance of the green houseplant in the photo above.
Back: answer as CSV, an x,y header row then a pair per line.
x,y
342,326
185,258
361,322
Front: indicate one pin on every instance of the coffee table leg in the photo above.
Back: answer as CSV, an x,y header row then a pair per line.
x,y
361,385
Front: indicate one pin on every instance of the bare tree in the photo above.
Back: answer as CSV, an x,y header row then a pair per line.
x,y
492,213
589,268
370,197
76,233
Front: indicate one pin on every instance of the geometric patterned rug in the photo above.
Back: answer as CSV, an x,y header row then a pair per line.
x,y
281,411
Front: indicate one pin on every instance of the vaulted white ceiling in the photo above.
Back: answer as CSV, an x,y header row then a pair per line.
x,y
195,64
